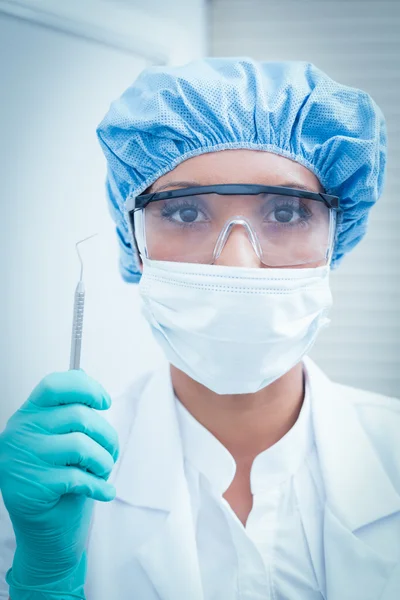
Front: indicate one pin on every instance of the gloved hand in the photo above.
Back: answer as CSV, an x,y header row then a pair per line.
x,y
56,454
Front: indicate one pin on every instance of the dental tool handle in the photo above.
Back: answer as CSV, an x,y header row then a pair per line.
x,y
77,326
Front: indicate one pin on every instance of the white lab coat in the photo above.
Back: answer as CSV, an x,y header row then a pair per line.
x,y
142,544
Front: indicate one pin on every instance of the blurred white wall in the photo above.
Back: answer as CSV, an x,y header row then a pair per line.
x,y
56,86
356,42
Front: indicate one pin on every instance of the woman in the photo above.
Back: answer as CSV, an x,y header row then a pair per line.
x,y
244,472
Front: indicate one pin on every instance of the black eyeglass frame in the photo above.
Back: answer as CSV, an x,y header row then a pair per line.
x,y
231,189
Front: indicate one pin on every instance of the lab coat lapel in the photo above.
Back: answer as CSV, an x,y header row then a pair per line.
x,y
355,496
170,558
151,475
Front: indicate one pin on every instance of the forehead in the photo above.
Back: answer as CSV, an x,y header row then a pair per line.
x,y
238,166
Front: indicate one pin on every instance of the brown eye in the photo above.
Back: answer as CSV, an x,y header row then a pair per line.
x,y
283,215
184,211
188,215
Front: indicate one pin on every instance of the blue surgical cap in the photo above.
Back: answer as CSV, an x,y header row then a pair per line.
x,y
293,109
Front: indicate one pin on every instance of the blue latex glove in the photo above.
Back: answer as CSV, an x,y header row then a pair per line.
x,y
56,454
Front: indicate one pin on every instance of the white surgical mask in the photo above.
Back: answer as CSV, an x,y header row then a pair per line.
x,y
234,329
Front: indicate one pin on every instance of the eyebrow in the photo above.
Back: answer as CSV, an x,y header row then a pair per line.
x,y
184,184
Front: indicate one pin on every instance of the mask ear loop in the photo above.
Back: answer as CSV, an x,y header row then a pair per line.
x,y
224,234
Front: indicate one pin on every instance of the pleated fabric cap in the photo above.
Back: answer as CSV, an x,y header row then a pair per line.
x,y
293,109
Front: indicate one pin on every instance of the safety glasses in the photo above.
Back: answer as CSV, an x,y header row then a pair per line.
x,y
286,227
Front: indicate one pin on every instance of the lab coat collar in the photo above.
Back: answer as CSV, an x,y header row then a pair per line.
x,y
152,461
151,475
357,496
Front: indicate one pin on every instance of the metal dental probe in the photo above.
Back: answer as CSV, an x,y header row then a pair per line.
x,y
77,324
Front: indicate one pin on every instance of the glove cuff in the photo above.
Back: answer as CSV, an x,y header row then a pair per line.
x,y
69,588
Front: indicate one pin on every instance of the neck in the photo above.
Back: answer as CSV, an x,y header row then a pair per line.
x,y
246,424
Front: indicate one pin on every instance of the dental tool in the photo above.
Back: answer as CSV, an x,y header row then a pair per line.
x,y
77,324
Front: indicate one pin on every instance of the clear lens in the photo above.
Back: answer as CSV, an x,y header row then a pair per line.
x,y
289,231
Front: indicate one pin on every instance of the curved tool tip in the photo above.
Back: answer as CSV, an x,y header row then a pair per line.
x,y
80,258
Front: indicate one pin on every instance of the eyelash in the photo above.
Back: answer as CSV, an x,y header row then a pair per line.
x,y
303,211
169,209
